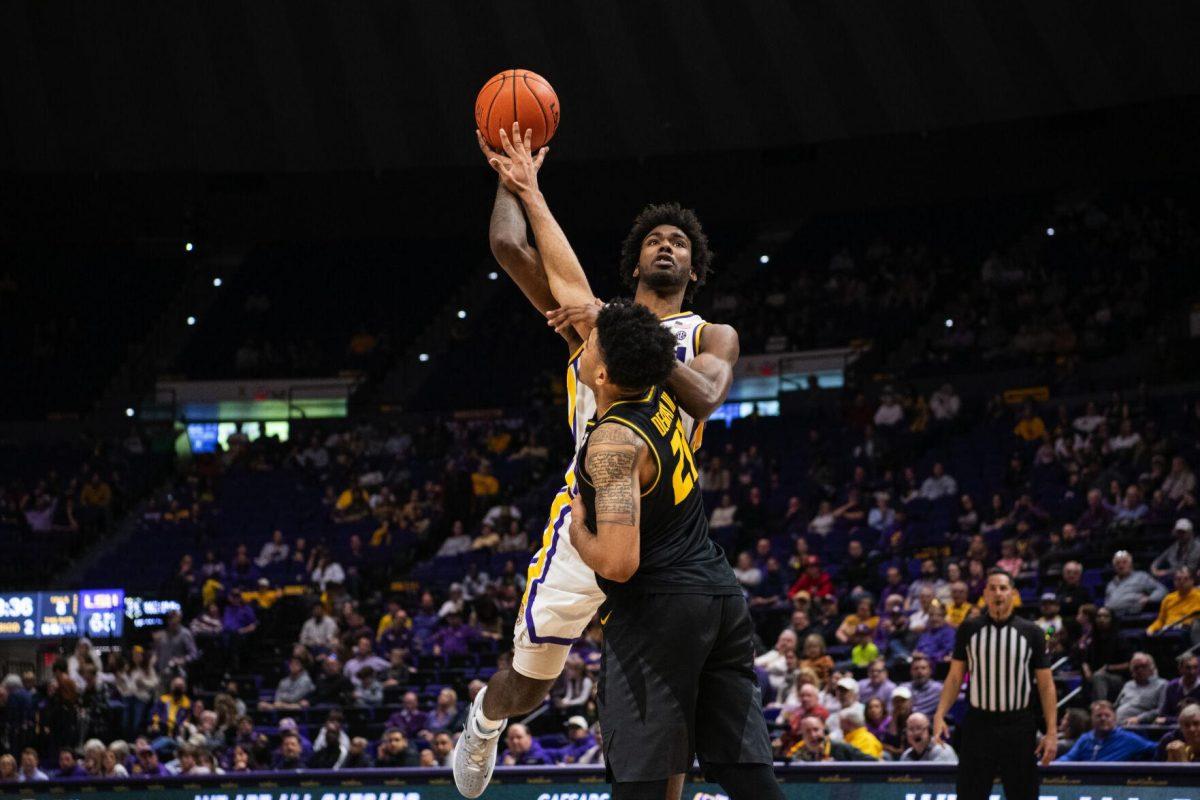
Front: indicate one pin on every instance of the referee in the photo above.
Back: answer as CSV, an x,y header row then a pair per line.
x,y
1006,658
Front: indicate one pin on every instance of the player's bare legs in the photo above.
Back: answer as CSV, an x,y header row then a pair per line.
x,y
510,693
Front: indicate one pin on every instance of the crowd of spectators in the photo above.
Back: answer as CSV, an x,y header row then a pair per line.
x,y
327,654
345,594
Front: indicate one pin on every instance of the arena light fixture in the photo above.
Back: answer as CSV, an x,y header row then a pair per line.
x,y
129,412
217,282
949,323
187,246
423,357
462,313
493,276
764,259
191,321
1049,231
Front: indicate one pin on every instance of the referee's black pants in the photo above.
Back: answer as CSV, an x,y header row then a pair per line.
x,y
998,744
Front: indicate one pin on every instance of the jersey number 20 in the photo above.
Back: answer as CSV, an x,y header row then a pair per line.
x,y
685,476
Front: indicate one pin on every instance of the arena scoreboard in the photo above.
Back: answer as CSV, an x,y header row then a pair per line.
x,y
95,613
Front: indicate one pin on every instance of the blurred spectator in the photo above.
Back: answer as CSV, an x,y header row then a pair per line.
x,y
855,733
440,753
319,631
293,690
1184,552
723,516
409,719
746,572
1183,744
1049,619
369,691
1030,427
174,648
332,687
68,767
924,689
359,758
1105,654
1181,608
846,692
580,742
1107,742
171,710
1142,695
331,747
937,640
147,764
274,551
364,656
776,660
817,746
291,756
1180,482
1182,691
876,684
945,404
29,771
1130,591
921,747
457,543
96,494
938,484
814,581
522,749
238,623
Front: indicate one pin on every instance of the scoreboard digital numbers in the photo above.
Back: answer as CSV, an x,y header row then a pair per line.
x,y
96,613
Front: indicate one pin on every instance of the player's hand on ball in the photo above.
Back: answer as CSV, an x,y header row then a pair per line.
x,y
494,159
518,172
1047,748
567,317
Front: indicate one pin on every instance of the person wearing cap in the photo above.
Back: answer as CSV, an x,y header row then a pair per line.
x,y
1184,552
1049,620
1130,591
1181,608
894,738
148,764
814,580
579,742
846,691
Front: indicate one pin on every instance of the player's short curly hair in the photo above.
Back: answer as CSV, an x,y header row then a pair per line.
x,y
667,214
637,350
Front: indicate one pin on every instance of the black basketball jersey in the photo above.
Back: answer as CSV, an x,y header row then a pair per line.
x,y
677,554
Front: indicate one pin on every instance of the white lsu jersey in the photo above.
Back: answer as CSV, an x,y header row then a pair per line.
x,y
581,401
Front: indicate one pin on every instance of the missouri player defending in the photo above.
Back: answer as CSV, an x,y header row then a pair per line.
x,y
664,258
677,675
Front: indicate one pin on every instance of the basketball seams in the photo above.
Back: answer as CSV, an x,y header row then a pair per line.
x,y
492,104
538,101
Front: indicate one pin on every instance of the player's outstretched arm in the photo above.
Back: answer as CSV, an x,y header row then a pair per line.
x,y
508,237
614,459
564,273
702,385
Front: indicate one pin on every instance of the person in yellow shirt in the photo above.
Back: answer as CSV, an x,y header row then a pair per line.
x,y
855,733
959,606
96,493
1179,605
864,614
1030,427
483,482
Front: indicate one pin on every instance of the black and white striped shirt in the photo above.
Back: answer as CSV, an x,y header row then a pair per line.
x,y
1001,658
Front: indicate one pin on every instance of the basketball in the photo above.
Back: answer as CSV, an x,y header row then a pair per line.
x,y
517,95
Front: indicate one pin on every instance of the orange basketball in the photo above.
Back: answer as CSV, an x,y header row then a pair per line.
x,y
517,95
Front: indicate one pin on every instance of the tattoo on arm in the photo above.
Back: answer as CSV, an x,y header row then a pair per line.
x,y
612,462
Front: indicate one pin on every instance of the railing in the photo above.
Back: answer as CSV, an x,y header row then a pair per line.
x,y
825,781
